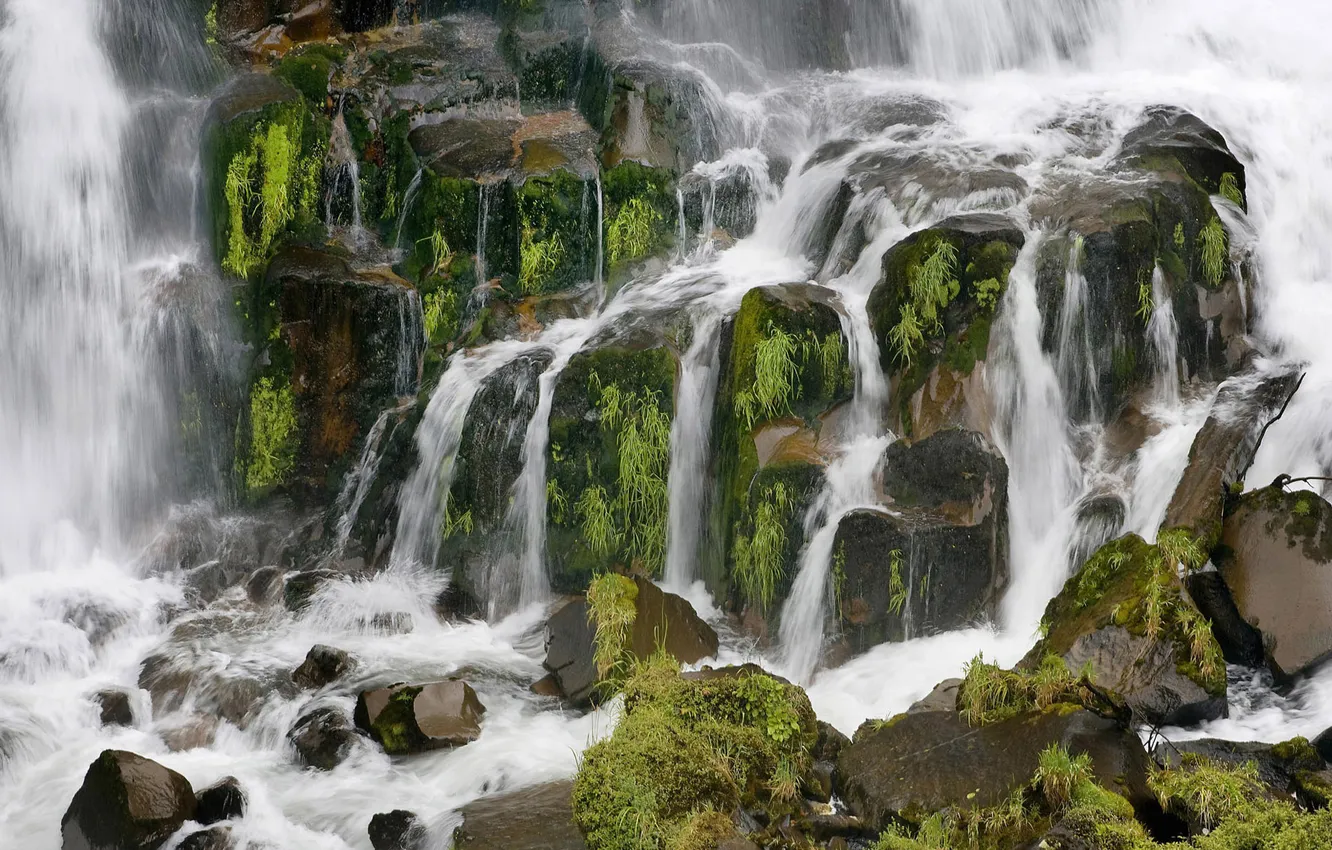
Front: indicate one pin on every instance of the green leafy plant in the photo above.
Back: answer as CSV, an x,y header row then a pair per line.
x,y
1179,546
988,292
273,431
1215,251
538,260
1205,791
759,557
455,524
907,336
1146,303
439,310
1230,189
989,693
611,609
630,235
557,503
1180,240
1058,773
933,283
239,195
776,378
598,521
897,589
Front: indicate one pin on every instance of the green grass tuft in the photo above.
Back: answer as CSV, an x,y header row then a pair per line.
x,y
273,434
1215,252
760,558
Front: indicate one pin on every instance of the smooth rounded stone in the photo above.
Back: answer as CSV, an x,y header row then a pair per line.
x,y
1279,571
413,718
126,802
190,734
223,800
538,818
932,760
323,666
264,586
570,638
114,707
546,686
950,467
397,830
323,738
213,838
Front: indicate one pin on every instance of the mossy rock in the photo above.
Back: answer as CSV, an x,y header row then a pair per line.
x,y
799,333
977,253
263,155
1125,614
686,745
652,114
639,209
607,463
309,69
1172,141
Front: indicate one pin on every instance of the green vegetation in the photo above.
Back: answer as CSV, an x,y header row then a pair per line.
x,y
760,558
539,259
1146,303
611,608
1058,774
1204,792
988,292
932,285
598,521
989,693
687,747
1179,239
631,234
457,523
1215,252
897,589
440,309
776,378
1230,189
273,435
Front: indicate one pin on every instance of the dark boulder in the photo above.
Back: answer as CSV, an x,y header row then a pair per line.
x,y
661,620
126,802
264,585
323,665
951,469
301,587
114,707
924,762
323,738
539,818
414,718
223,800
1277,564
1240,642
1201,152
397,830
1279,765
213,838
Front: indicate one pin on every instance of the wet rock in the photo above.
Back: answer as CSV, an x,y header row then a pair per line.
x,y
361,15
397,830
323,665
299,588
249,93
937,559
924,762
323,738
1278,765
1201,152
1223,450
213,838
942,698
191,734
491,149
114,707
1240,642
660,618
1277,563
414,718
657,115
223,800
265,586
547,686
539,818
127,801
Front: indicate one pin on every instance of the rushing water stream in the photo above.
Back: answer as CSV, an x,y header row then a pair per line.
x,y
86,406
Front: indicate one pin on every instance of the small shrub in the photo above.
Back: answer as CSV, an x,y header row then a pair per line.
x,y
611,608
1215,252
988,292
1230,189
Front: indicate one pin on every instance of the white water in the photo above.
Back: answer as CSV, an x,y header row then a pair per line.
x,y
77,404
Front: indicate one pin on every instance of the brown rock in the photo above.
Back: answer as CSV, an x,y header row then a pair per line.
x,y
127,802
413,718
539,818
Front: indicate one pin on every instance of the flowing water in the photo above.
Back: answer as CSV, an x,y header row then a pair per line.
x,y
85,410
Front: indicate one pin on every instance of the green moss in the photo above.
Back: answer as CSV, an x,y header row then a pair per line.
x,y
273,436
308,70
1204,792
395,726
1298,751
989,694
684,747
640,209
557,233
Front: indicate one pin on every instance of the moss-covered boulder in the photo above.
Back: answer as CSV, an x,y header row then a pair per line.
x,y
660,621
413,718
903,770
938,560
608,459
1277,766
1126,616
263,157
784,372
339,346
537,818
931,314
688,746
651,113
1278,565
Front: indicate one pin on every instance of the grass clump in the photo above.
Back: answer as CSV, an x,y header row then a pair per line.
x,y
1058,774
631,234
611,608
684,747
932,284
273,435
989,693
1230,189
539,259
1205,792
1215,252
897,589
760,557
776,378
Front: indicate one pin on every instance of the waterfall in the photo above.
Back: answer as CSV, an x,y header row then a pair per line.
x,y
1032,431
411,342
599,273
1075,360
413,188
482,221
346,167
1163,334
691,434
358,482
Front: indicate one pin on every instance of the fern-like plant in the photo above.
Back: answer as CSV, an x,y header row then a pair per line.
x,y
907,336
1215,251
611,609
1230,189
630,234
598,521
897,589
759,557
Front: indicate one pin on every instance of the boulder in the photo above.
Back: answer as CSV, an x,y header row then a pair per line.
x,y
1199,151
1279,765
223,800
1157,655
660,620
126,802
264,586
397,830
1224,448
114,707
538,818
300,587
1277,563
414,718
322,738
323,665
213,838
918,763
